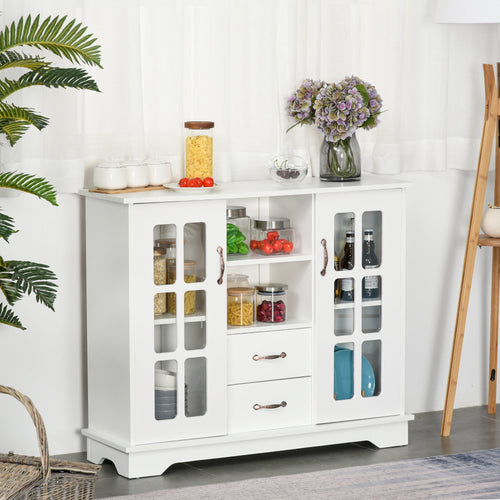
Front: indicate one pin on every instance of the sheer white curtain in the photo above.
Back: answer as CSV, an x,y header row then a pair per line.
x,y
235,62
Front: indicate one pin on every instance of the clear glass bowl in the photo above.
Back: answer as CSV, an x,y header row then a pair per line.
x,y
288,169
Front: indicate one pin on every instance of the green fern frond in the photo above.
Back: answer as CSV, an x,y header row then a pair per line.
x,y
7,229
28,183
67,40
9,286
7,317
34,278
14,59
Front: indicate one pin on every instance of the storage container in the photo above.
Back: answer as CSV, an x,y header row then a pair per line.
x,y
110,175
160,278
271,302
240,306
272,235
169,245
237,280
198,152
238,230
189,277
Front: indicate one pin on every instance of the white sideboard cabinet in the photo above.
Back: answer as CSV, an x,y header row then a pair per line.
x,y
169,381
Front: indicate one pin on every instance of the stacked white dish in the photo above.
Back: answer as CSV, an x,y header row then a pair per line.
x,y
165,394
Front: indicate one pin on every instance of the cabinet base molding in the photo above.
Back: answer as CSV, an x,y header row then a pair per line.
x,y
134,461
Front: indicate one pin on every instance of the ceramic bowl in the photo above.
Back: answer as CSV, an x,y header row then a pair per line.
x,y
288,169
490,223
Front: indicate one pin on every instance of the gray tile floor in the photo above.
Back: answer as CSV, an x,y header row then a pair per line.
x,y
472,429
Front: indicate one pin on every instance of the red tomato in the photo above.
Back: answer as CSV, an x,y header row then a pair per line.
x,y
283,241
183,182
253,244
259,244
199,182
287,246
267,247
208,182
192,183
273,235
277,246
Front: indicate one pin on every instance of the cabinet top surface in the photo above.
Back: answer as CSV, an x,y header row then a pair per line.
x,y
254,189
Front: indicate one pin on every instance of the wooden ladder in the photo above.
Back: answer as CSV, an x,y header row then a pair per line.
x,y
474,239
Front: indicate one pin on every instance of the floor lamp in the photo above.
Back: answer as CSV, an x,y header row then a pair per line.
x,y
477,11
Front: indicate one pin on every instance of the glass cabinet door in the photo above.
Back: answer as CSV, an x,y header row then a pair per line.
x,y
358,304
179,338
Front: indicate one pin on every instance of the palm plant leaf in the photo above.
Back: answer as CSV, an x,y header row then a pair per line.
x,y
13,129
33,278
6,228
14,59
65,39
8,285
76,78
29,183
18,113
7,317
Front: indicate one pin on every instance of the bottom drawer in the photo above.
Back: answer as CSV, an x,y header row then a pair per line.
x,y
269,405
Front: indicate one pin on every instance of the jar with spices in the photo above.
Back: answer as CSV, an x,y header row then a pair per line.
x,y
160,278
189,296
238,230
271,303
240,306
198,149
272,235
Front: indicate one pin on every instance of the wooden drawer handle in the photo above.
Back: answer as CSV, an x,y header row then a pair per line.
x,y
325,257
256,357
257,406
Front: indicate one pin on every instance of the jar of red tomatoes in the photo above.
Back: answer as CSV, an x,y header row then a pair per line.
x,y
272,235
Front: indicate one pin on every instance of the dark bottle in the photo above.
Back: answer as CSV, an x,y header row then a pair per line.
x,y
371,285
347,290
370,260
347,261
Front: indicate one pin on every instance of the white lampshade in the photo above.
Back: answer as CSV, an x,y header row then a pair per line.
x,y
467,11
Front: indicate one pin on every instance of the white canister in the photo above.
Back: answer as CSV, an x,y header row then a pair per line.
x,y
490,223
137,174
110,176
160,172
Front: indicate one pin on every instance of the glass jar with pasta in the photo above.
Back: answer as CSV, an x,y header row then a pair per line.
x,y
198,153
189,277
240,306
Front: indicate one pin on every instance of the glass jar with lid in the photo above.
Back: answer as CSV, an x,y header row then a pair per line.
x,y
240,306
198,153
271,302
189,277
169,244
160,278
238,230
237,280
272,235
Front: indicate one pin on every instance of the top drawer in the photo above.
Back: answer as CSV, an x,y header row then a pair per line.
x,y
288,355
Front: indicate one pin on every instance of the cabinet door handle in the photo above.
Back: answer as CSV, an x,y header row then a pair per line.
x,y
257,406
256,357
220,250
325,257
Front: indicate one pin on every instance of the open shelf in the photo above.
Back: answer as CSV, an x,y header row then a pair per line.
x,y
266,327
247,260
169,319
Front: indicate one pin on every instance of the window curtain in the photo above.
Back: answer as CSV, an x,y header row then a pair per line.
x,y
235,62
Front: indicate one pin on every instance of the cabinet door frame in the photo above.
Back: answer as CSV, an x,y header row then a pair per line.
x,y
390,401
143,219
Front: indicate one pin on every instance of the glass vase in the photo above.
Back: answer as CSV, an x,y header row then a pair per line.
x,y
340,161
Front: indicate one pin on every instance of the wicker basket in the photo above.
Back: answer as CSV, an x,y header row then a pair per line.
x,y
30,478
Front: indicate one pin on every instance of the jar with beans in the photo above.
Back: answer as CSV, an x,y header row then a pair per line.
x,y
271,303
160,278
240,306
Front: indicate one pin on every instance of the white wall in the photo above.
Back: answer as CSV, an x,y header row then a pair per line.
x,y
48,361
